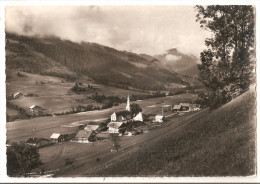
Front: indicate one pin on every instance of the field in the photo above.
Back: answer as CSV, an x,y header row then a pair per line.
x,y
53,93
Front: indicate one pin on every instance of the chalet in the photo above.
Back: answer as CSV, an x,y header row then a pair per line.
x,y
85,137
38,142
176,108
159,118
138,117
56,137
121,116
113,127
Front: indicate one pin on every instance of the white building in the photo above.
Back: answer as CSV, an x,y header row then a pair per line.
x,y
138,117
159,118
113,117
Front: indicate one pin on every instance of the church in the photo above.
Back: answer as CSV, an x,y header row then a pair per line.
x,y
125,115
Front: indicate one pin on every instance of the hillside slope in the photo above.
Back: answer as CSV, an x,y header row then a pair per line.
x,y
106,65
222,143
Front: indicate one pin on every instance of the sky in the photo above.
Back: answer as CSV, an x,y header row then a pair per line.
x,y
141,29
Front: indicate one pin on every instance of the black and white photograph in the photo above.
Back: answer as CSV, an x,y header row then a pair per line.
x,y
134,90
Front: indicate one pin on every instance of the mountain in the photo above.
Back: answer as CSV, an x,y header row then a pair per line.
x,y
103,64
178,62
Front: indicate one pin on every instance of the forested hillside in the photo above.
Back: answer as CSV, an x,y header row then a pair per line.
x,y
103,64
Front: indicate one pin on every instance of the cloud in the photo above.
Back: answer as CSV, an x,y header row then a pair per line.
x,y
141,29
170,57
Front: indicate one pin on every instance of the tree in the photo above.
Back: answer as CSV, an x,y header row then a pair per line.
x,y
21,159
116,141
135,109
226,67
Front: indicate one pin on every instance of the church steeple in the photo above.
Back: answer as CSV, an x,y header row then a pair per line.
x,y
127,104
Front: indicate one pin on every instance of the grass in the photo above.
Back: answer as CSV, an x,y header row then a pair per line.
x,y
219,144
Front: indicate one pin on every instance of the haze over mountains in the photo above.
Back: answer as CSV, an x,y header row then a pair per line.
x,y
103,64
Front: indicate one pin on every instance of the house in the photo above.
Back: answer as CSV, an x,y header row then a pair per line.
x,y
56,137
121,116
176,108
38,142
17,95
90,128
159,118
85,137
185,107
138,117
113,127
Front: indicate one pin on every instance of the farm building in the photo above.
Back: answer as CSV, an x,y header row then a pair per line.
x,y
17,95
159,118
121,116
85,137
56,137
176,108
185,107
113,127
90,128
37,142
138,117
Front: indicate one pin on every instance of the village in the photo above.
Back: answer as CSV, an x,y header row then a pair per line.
x,y
122,123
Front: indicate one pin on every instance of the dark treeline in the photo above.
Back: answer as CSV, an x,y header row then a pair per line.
x,y
103,64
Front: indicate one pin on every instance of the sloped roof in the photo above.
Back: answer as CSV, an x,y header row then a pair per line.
x,y
185,104
83,134
176,107
90,128
114,124
123,113
55,136
35,140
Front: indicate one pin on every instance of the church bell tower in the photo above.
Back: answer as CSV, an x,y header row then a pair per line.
x,y
127,104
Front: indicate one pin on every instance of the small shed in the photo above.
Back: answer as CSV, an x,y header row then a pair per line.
x,y
56,137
